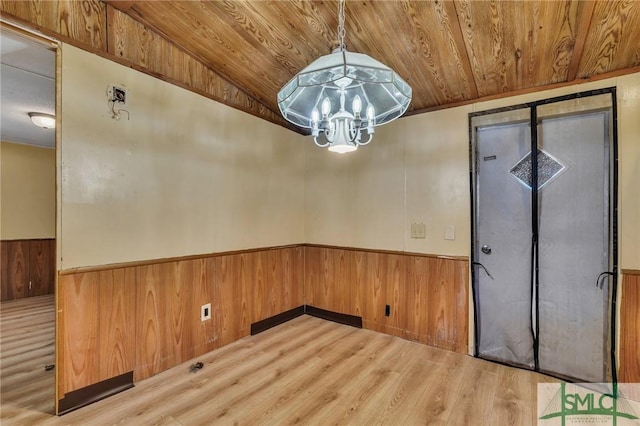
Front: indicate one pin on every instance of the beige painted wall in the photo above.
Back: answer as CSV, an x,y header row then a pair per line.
x,y
27,192
184,175
417,170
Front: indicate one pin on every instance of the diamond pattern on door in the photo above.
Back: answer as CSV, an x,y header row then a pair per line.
x,y
548,169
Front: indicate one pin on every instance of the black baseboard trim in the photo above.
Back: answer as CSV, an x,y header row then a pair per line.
x,y
351,320
265,324
94,393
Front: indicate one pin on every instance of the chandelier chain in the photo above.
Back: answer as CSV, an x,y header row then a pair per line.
x,y
341,29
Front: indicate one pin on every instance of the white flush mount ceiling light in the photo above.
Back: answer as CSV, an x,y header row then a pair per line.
x,y
46,121
342,95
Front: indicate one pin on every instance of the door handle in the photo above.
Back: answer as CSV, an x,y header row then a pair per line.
x,y
486,249
600,280
483,267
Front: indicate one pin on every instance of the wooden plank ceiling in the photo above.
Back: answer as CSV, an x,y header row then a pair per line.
x,y
450,52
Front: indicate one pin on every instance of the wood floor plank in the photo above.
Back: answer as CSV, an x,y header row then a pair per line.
x,y
26,347
306,371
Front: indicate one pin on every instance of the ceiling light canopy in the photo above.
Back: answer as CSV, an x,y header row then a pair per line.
x,y
46,121
341,95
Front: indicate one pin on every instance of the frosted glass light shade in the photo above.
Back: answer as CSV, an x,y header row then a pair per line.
x,y
358,74
46,121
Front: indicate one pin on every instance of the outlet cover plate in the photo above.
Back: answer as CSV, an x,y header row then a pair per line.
x,y
205,312
450,232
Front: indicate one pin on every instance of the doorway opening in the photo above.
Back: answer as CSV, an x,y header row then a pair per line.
x,y
28,214
544,235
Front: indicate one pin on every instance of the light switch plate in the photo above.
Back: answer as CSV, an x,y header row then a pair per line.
x,y
418,230
450,232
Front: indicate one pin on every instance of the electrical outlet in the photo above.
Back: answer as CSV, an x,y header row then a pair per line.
x,y
117,94
205,312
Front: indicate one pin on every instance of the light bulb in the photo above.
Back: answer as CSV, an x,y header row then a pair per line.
x,y
315,116
326,107
371,112
357,105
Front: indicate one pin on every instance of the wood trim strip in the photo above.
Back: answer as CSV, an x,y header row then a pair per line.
x,y
403,253
94,393
27,239
111,266
267,323
345,319
46,41
631,272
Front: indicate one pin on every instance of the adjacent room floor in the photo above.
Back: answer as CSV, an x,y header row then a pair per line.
x,y
307,371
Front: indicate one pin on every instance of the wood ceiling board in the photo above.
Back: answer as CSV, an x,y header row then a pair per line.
x,y
585,14
264,45
209,34
613,43
438,55
514,45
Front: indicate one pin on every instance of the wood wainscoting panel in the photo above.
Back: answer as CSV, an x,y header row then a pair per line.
x,y
329,277
231,301
630,328
15,269
438,307
379,281
117,322
42,267
146,318
79,326
27,268
158,299
427,295
203,332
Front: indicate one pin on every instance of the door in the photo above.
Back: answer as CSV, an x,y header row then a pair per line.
x,y
537,254
503,246
574,248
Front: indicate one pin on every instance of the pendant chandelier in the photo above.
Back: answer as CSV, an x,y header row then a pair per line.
x,y
329,96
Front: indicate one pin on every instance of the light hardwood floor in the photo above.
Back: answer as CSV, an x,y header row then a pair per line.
x,y
27,335
307,371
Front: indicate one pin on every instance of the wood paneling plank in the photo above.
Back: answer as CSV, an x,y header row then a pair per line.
x,y
151,348
80,331
117,335
15,269
630,329
42,267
